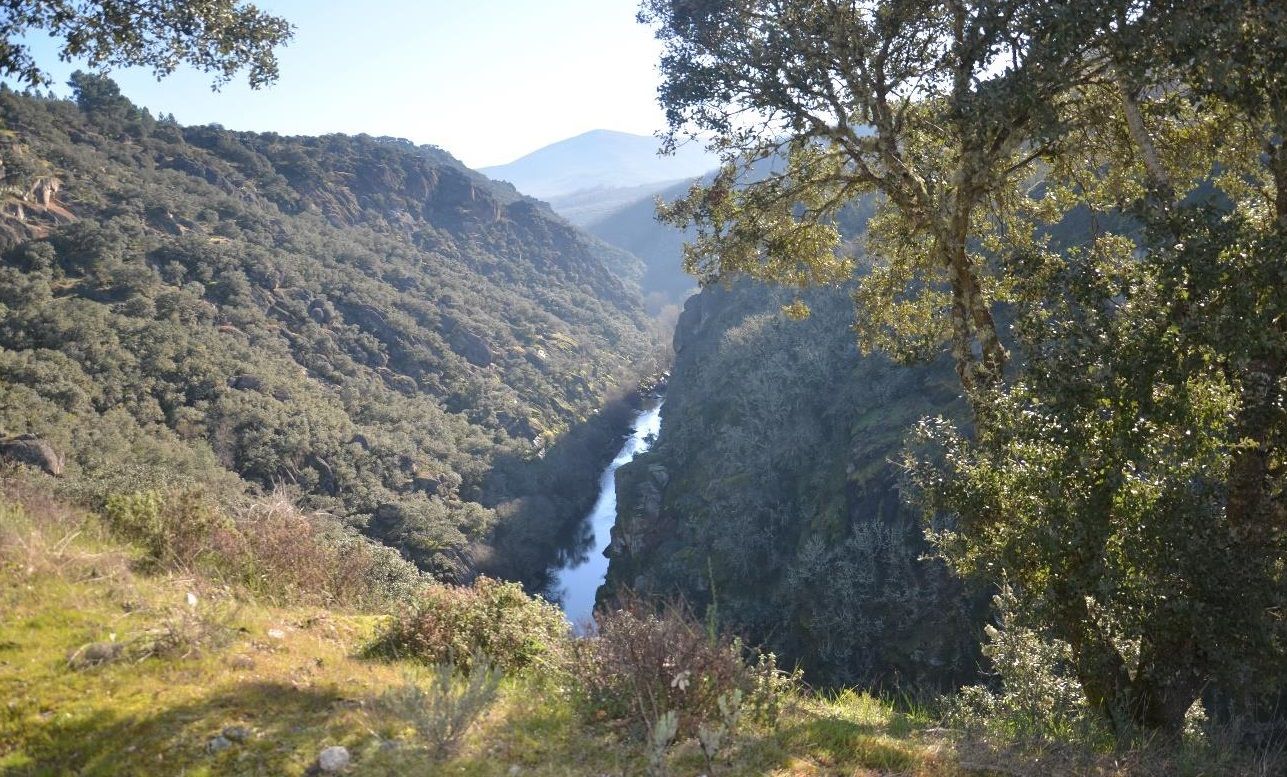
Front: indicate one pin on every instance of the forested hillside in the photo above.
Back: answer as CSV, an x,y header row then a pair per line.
x,y
771,498
400,339
635,228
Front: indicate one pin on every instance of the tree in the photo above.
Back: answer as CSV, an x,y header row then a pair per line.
x,y
1127,474
215,36
941,107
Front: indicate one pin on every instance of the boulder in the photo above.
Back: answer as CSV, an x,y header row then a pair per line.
x,y
30,449
426,483
333,759
246,382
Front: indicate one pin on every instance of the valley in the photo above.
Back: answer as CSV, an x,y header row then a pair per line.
x,y
899,388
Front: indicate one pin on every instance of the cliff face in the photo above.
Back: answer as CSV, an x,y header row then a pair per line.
x,y
401,340
771,497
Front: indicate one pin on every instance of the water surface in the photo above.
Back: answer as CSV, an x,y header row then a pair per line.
x,y
577,581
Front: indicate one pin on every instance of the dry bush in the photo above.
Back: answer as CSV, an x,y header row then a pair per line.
x,y
275,549
647,662
453,624
187,631
291,555
42,535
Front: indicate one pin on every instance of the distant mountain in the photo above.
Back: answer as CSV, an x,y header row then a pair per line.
x,y
590,206
600,159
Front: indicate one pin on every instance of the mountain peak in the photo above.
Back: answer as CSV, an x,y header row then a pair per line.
x,y
600,159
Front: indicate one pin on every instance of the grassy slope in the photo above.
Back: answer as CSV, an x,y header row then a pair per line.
x,y
63,583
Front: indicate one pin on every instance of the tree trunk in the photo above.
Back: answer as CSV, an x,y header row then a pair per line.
x,y
1154,698
976,346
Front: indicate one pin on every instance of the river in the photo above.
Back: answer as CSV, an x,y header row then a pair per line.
x,y
577,582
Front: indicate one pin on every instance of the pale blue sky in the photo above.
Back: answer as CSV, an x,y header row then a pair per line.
x,y
487,80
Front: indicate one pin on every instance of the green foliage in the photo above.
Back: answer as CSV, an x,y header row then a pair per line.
x,y
173,529
1127,474
1039,696
1099,482
218,36
454,625
770,501
404,342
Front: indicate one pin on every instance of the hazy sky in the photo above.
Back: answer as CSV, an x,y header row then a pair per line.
x,y
487,80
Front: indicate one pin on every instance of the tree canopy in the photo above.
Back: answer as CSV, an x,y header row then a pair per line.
x,y
1098,187
215,36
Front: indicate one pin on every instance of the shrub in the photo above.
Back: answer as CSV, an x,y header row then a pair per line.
x,y
187,630
269,545
771,688
1038,696
442,710
287,554
174,528
454,624
646,663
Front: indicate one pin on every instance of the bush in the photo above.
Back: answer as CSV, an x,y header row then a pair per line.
x,y
269,545
287,554
455,624
647,663
443,709
174,529
1039,695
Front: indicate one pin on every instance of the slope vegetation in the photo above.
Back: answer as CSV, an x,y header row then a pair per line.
x,y
403,341
771,497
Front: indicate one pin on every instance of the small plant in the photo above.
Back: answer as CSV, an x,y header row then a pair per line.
x,y
187,630
455,624
442,707
660,734
714,735
1039,695
646,662
771,688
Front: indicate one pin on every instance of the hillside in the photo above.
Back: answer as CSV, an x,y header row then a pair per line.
x,y
412,347
771,499
108,670
634,227
600,159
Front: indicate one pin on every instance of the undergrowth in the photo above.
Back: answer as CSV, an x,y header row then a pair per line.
x,y
128,657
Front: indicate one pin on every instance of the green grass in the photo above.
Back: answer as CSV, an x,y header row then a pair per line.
x,y
295,679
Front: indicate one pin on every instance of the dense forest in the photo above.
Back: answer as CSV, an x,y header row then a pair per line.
x,y
816,557
1118,475
410,346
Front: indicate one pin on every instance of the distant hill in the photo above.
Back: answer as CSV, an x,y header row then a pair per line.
x,y
660,247
600,159
411,346
590,206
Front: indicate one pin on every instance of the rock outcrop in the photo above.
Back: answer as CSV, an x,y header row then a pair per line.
x,y
30,449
